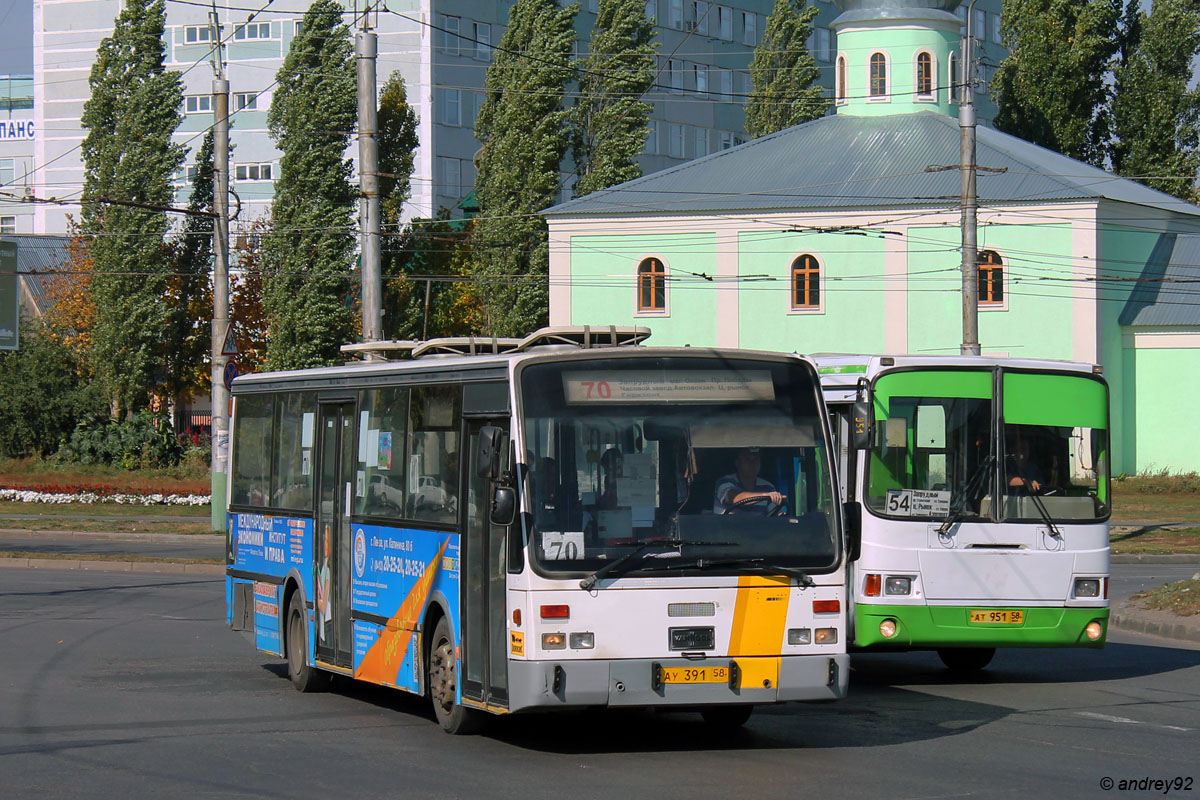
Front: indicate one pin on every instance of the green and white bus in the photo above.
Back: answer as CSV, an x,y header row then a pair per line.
x,y
984,484
516,525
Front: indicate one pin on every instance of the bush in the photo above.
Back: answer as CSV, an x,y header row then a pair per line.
x,y
145,440
41,397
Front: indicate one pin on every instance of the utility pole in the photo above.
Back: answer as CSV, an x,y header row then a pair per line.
x,y
366,48
220,322
970,257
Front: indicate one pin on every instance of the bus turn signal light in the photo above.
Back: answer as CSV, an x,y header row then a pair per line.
x,y
556,612
827,606
874,584
517,617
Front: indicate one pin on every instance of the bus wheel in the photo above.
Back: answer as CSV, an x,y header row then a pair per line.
x,y
966,659
727,717
304,677
443,685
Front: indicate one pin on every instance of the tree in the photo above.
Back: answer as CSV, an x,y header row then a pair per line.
x,y
188,337
525,133
41,396
1155,116
425,295
611,121
247,313
398,143
130,158
784,73
72,314
309,252
1051,89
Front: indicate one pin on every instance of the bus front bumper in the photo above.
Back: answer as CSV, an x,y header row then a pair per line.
x,y
949,626
640,682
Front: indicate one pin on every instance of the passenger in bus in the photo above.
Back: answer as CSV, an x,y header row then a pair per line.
x,y
744,485
1022,471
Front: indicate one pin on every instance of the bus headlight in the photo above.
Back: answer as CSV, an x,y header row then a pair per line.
x,y
583,641
826,636
799,636
1094,630
554,641
898,585
887,628
1087,587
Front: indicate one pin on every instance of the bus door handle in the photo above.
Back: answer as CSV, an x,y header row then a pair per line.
x,y
346,507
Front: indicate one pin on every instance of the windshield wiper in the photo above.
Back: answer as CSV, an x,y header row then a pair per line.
x,y
613,566
1041,507
755,565
960,503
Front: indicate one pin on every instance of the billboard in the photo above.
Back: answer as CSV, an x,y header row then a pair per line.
x,y
10,296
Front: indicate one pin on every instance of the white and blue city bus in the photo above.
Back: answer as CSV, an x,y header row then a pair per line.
x,y
984,484
512,525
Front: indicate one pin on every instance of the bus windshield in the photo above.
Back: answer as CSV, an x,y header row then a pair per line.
x,y
1055,448
934,453
707,464
932,444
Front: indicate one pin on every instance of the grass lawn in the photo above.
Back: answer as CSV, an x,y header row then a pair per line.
x,y
1155,541
1182,598
105,518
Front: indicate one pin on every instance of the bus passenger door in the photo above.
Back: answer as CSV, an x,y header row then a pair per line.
x,y
483,575
333,539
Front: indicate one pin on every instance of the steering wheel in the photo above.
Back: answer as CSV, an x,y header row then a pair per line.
x,y
773,510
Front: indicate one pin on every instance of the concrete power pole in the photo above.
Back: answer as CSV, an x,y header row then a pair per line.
x,y
970,257
220,323
366,47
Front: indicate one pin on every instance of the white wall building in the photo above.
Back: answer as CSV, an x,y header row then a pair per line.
x,y
441,47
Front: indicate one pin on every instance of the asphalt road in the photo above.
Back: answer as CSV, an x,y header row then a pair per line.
x,y
81,545
125,686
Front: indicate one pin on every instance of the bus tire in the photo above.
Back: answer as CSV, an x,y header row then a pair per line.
x,y
727,717
304,677
966,659
443,685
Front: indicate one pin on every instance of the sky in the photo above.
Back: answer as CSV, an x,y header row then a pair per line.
x,y
16,37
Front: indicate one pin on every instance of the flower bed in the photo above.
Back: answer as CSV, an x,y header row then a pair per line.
x,y
55,493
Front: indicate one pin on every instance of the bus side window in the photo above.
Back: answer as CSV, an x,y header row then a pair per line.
x,y
433,453
295,429
382,432
252,466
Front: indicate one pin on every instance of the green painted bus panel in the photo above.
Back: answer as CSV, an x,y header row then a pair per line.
x,y
932,383
940,626
1063,401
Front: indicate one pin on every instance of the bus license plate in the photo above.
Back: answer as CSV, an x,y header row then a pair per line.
x,y
996,616
695,674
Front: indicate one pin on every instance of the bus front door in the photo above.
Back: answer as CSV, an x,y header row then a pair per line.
x,y
333,539
485,631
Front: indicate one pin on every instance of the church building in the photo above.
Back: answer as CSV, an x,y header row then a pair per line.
x,y
842,235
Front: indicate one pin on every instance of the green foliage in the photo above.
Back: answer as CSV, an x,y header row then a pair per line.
x,y
41,396
310,249
129,156
525,132
398,142
412,263
784,73
611,121
189,320
143,440
1051,89
1155,116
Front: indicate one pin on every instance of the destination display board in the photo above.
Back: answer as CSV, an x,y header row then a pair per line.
x,y
676,386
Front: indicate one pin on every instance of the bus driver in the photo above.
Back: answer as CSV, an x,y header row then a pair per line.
x,y
746,485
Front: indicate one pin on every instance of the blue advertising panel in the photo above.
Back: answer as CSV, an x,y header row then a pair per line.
x,y
397,572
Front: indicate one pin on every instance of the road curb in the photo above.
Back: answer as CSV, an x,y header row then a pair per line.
x,y
143,567
1131,617
1149,558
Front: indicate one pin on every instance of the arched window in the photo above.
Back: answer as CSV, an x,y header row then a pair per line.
x,y
806,283
991,278
841,79
651,286
924,75
878,75
952,78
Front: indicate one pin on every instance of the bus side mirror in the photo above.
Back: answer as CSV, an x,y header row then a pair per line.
x,y
860,425
852,517
504,505
487,465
